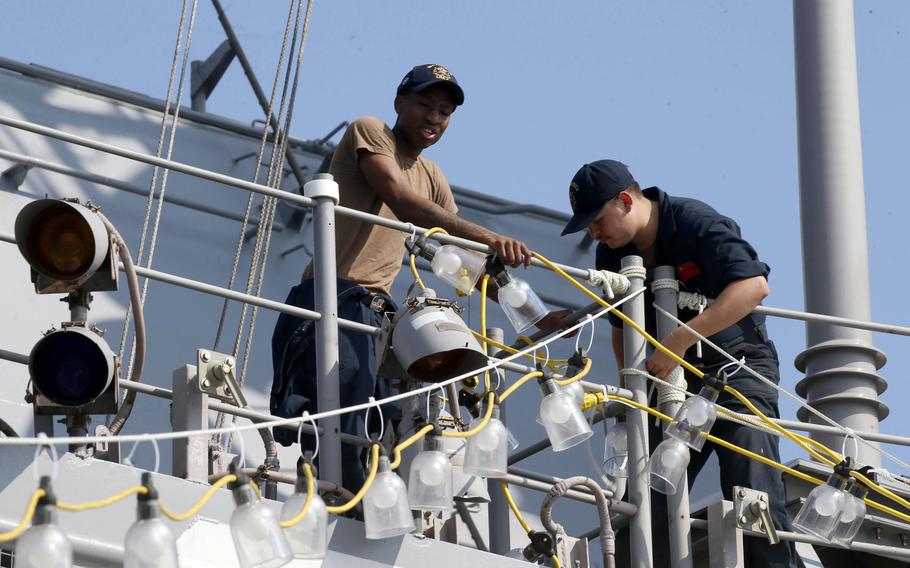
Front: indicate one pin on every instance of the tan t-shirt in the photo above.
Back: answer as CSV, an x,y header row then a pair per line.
x,y
368,254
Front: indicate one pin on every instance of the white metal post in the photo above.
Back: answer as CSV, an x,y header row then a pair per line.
x,y
189,411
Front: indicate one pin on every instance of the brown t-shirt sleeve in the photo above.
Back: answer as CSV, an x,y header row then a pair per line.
x,y
371,134
443,194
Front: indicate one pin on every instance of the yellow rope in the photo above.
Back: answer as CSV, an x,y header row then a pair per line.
x,y
202,501
518,383
374,467
479,427
103,502
579,376
310,489
26,517
407,443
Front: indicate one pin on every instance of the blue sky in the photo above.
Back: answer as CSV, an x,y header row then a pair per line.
x,y
698,97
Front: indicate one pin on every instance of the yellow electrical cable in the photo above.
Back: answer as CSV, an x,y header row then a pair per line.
x,y
879,489
657,344
413,263
538,356
396,451
374,467
506,393
521,521
483,323
760,458
103,502
26,517
789,435
578,376
310,489
514,507
229,478
479,427
512,350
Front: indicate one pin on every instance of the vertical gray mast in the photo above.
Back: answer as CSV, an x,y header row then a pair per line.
x,y
840,363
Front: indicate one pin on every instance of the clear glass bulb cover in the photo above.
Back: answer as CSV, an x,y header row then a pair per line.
x,y
563,420
44,546
667,465
487,451
616,453
693,422
576,391
309,537
258,538
458,267
521,304
430,482
150,544
850,521
386,511
819,514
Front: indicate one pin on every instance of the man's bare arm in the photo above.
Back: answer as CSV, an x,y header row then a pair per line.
x,y
386,179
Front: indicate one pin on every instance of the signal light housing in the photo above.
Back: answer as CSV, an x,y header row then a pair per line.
x,y
67,246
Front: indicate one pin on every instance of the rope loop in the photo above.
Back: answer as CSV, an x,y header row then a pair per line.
x,y
306,417
52,450
128,459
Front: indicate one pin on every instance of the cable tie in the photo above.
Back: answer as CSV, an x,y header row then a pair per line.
x,y
52,450
366,419
128,459
306,417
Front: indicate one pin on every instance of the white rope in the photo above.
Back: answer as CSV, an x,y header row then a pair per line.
x,y
590,320
639,272
366,419
786,393
305,416
843,450
675,390
665,284
25,441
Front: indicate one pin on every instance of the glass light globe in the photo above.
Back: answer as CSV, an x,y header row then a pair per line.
x,y
694,419
616,453
667,465
820,512
258,538
513,296
563,420
851,520
430,487
309,536
487,451
521,304
44,545
386,511
458,267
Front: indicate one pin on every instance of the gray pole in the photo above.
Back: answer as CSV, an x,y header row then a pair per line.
x,y
633,345
325,192
498,510
840,364
678,503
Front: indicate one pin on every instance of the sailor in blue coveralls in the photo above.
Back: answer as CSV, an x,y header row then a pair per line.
x,y
711,258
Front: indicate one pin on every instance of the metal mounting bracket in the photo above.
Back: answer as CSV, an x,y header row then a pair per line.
x,y
216,378
753,512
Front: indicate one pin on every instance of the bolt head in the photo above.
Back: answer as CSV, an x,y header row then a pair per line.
x,y
742,493
206,383
743,520
229,361
205,356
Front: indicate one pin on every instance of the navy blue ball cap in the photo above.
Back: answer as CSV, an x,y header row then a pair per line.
x,y
593,185
425,76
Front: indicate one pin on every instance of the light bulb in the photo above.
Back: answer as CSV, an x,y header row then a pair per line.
x,y
149,542
458,267
258,538
698,413
513,296
309,536
430,486
446,262
520,303
667,465
851,520
694,419
488,439
563,420
487,451
386,511
44,545
820,512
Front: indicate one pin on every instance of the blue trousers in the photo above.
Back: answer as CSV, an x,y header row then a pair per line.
x,y
294,365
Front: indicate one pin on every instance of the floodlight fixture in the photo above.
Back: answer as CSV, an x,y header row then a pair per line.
x,y
430,340
67,246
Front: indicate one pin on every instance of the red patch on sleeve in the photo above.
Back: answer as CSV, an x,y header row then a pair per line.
x,y
687,271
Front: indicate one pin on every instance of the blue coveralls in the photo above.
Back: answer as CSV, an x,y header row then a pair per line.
x,y
709,253
294,366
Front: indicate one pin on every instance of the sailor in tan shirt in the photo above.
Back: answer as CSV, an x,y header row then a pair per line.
x,y
379,170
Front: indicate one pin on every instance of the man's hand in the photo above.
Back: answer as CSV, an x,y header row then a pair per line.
x,y
660,364
555,321
511,251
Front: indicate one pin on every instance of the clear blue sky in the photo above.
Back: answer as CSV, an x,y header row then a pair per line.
x,y
698,97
